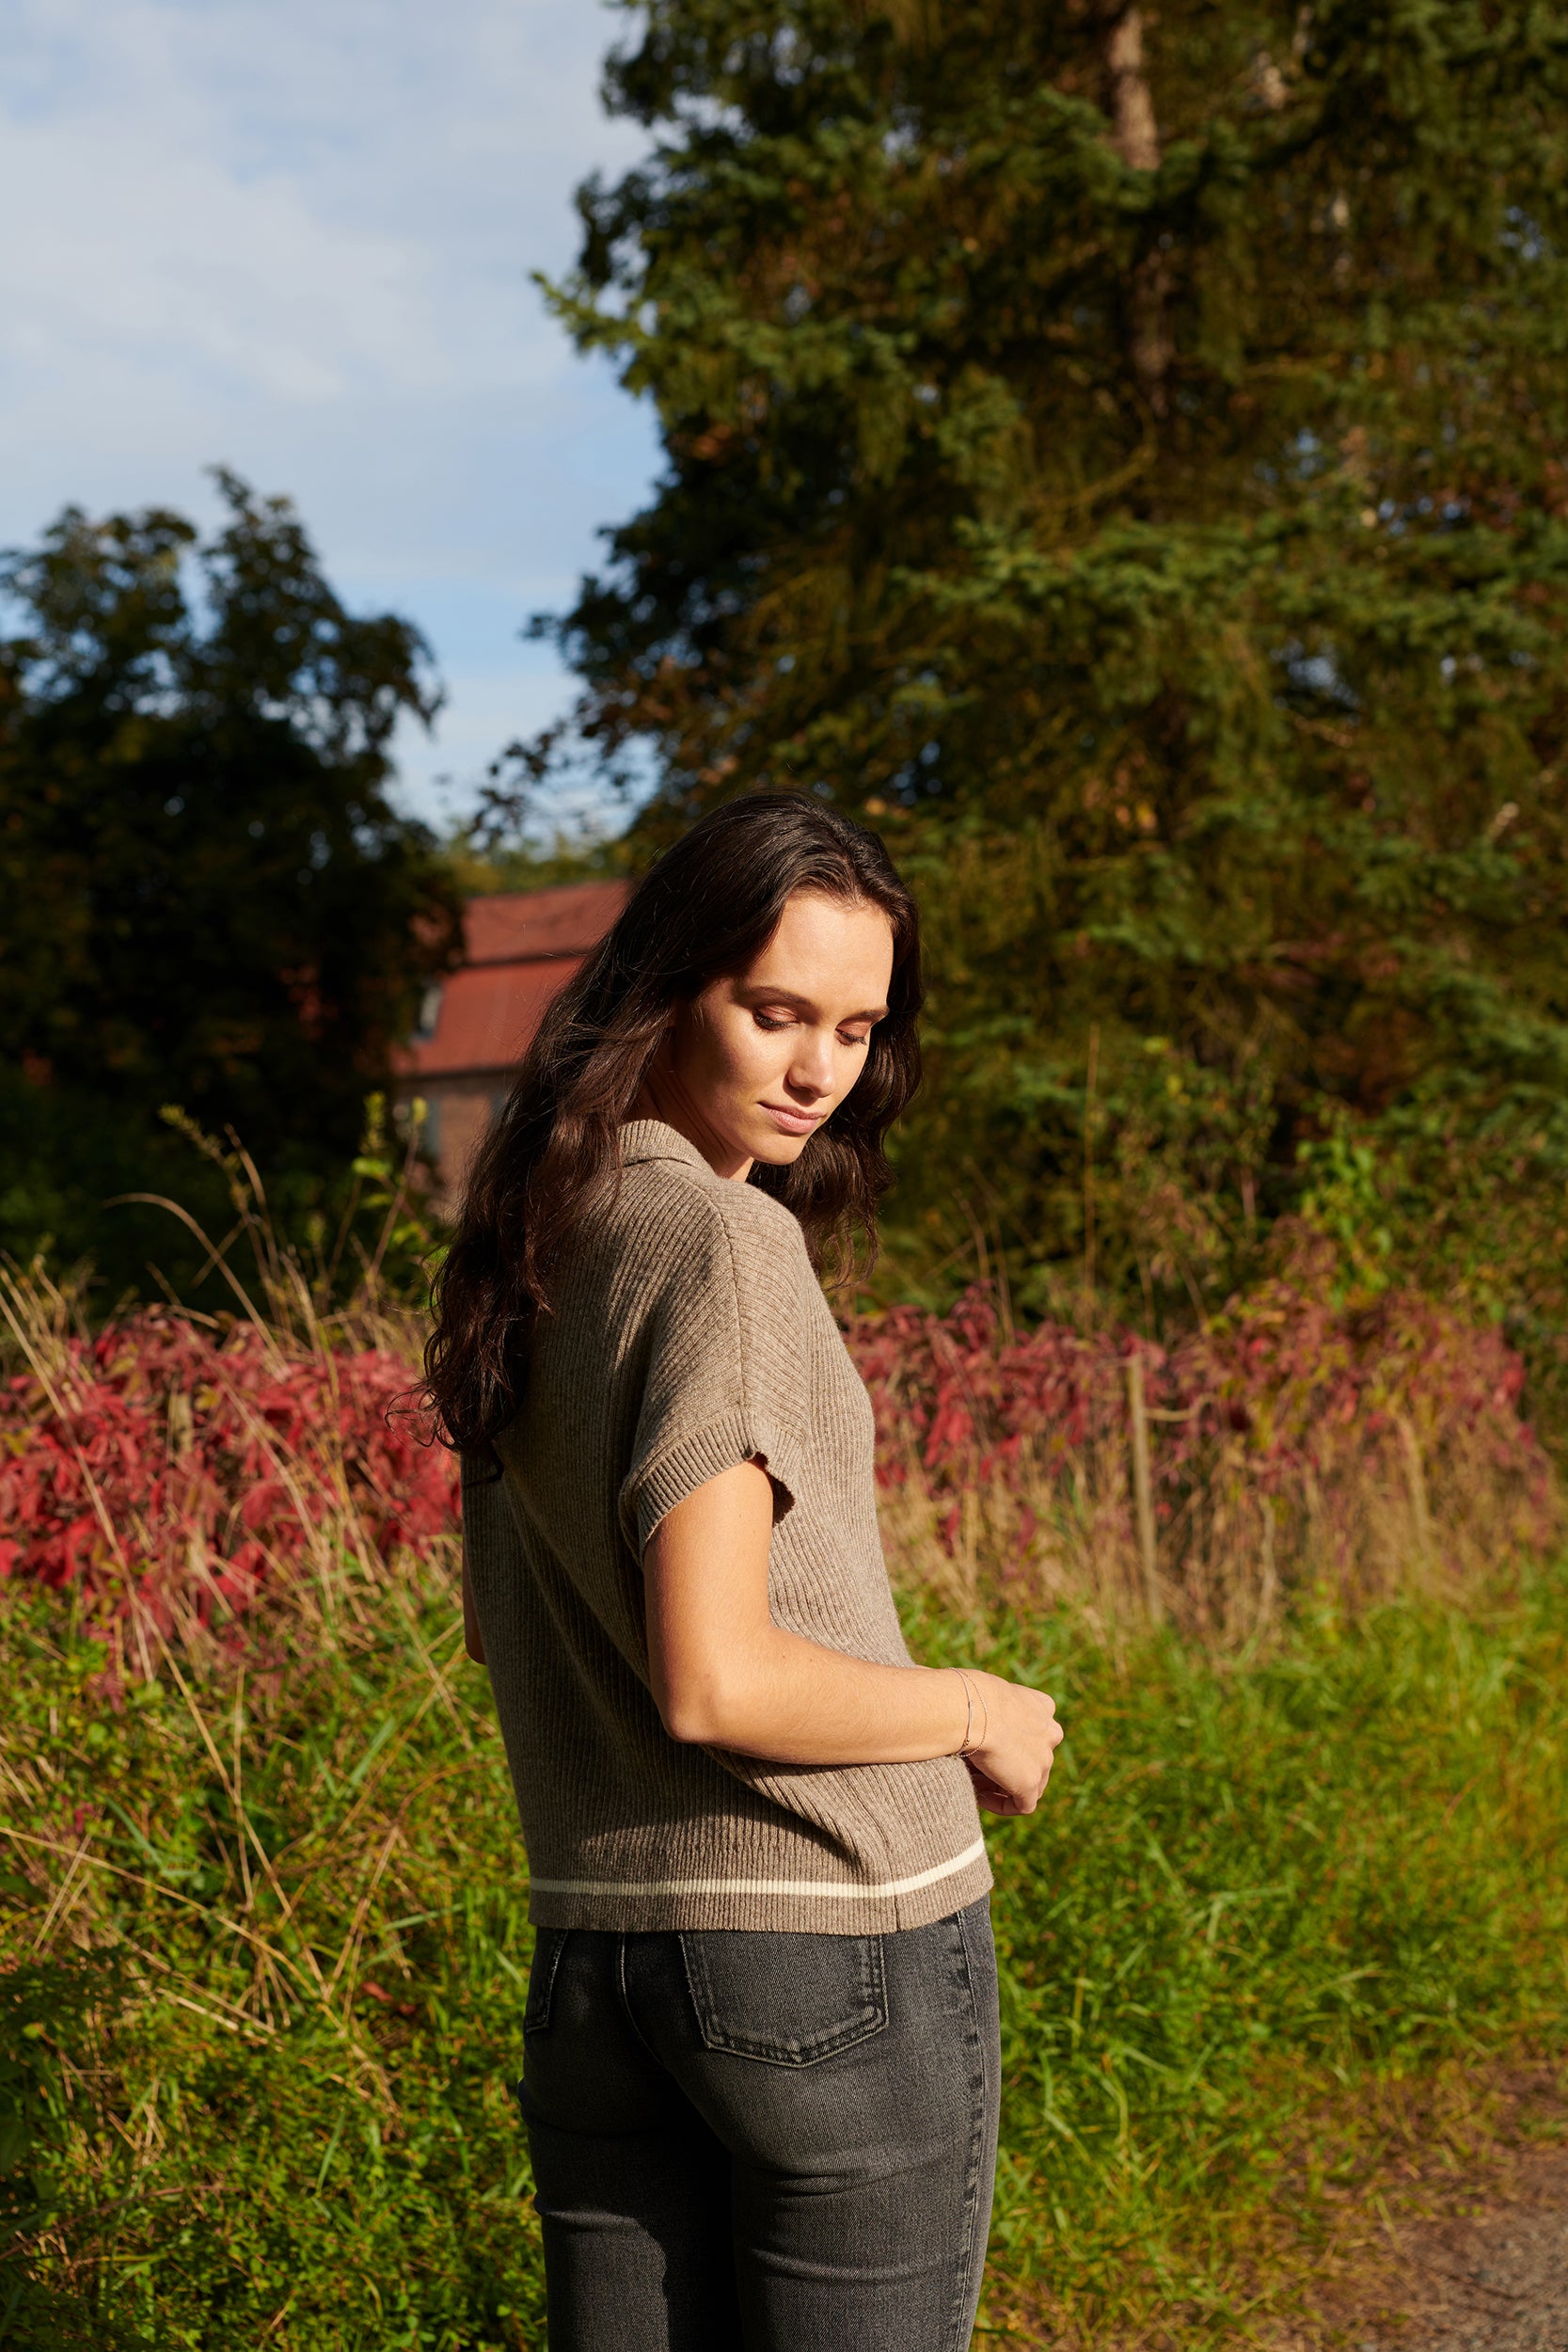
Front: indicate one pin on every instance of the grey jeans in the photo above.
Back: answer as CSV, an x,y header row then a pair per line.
x,y
758,2142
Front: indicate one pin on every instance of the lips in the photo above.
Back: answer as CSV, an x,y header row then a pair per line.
x,y
793,1122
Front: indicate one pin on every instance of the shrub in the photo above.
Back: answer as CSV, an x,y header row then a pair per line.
x,y
173,1474
1288,1444
176,1471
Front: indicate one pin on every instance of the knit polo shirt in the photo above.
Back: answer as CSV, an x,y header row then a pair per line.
x,y
687,1333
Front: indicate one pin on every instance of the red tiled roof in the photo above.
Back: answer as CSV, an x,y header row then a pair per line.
x,y
520,948
518,926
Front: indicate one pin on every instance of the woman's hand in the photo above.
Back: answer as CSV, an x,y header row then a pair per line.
x,y
1018,1736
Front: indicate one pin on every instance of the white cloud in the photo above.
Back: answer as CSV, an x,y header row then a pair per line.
x,y
295,238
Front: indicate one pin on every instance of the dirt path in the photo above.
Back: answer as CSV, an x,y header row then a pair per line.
x,y
1492,2280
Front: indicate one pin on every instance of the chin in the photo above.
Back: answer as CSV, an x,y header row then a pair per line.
x,y
771,1150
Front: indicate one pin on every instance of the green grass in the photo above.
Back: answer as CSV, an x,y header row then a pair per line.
x,y
1257,1891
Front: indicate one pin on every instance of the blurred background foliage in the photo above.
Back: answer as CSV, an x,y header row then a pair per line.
x,y
211,900
1122,458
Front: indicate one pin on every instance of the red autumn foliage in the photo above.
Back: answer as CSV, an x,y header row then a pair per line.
x,y
1279,1371
164,1462
1284,1397
173,1467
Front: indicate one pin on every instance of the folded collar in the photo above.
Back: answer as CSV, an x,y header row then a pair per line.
x,y
650,1139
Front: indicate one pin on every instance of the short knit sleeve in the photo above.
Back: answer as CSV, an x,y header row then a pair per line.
x,y
491,1544
727,1357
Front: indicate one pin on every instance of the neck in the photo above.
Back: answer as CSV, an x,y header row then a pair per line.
x,y
663,1096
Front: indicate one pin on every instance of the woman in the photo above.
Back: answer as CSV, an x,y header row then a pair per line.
x,y
761,2069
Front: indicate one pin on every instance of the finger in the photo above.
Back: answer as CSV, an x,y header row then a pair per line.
x,y
991,1794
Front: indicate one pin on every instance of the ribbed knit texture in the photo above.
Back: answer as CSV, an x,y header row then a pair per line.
x,y
689,1333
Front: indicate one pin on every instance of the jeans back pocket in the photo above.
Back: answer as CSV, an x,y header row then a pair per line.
x,y
787,1999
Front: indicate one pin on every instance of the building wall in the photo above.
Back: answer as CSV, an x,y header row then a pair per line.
x,y
520,948
461,1110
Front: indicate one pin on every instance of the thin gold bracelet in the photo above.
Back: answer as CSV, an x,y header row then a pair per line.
x,y
966,1744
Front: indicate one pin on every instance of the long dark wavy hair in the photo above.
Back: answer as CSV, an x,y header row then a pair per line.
x,y
706,909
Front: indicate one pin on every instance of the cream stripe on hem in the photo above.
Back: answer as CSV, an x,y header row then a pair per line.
x,y
828,1892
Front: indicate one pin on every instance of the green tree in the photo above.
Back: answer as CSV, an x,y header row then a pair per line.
x,y
209,900
1126,459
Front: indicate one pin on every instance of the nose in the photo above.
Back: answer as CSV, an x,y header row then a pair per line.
x,y
811,1069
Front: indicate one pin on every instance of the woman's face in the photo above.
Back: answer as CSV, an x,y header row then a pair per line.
x,y
754,1065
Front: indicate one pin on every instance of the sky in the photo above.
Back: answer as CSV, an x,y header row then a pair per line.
x,y
294,237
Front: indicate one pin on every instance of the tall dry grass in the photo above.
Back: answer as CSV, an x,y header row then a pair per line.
x,y
196,1479
1291,1450
196,1472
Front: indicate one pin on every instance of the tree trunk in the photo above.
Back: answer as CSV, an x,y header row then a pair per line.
x,y
1132,107
1137,142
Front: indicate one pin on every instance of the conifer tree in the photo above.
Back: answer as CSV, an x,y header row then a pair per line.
x,y
1126,457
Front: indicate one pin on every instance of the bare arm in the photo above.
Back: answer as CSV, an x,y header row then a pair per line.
x,y
725,1675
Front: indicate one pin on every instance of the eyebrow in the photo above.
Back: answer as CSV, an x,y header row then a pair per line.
x,y
792,996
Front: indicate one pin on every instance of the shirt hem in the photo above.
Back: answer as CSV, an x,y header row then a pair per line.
x,y
810,1906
